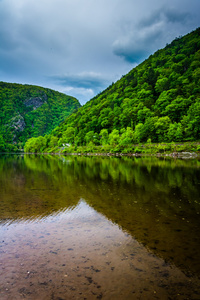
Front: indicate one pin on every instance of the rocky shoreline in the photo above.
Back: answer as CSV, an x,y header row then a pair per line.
x,y
183,155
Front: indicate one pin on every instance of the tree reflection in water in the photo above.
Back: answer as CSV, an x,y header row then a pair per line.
x,y
156,201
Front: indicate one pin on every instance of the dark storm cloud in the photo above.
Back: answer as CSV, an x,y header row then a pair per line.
x,y
165,15
84,80
136,47
95,41
145,37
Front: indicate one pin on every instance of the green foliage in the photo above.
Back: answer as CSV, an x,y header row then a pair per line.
x,y
157,100
2,144
104,136
31,111
68,136
113,138
127,137
162,126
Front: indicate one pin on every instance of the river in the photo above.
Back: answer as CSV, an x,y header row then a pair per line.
x,y
74,227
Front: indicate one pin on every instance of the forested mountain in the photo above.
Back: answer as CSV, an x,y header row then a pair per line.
x,y
30,111
159,100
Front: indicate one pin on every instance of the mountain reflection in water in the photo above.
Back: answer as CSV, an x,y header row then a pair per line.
x,y
155,202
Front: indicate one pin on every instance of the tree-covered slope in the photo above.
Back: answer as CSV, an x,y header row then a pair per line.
x,y
157,100
30,111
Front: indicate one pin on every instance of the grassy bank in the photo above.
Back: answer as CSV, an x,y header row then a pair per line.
x,y
175,149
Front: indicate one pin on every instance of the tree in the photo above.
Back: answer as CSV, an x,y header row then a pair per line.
x,y
171,134
162,84
143,114
138,133
179,133
177,108
68,135
191,122
89,136
149,129
2,143
162,126
53,142
31,145
127,137
104,136
114,137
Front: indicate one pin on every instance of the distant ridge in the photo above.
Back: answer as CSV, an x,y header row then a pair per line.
x,y
30,111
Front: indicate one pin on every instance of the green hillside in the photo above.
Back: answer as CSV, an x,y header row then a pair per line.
x,y
30,111
158,101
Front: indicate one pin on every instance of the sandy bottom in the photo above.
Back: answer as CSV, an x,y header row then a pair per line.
x,y
79,254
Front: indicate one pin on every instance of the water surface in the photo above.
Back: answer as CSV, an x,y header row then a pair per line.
x,y
99,228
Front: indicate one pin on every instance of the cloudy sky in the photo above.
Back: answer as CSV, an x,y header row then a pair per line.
x,y
79,47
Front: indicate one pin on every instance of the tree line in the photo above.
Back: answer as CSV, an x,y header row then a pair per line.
x,y
158,101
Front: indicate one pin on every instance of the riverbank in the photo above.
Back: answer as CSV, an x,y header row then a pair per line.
x,y
186,150
176,150
184,155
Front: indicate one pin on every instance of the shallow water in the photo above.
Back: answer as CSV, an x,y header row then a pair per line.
x,y
99,228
